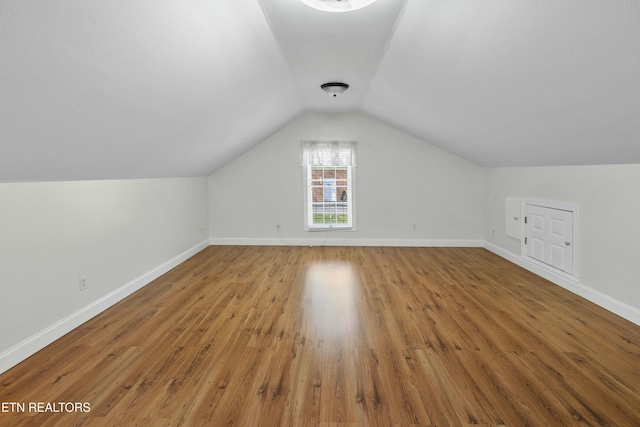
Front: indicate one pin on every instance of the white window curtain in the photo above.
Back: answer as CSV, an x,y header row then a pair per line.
x,y
329,153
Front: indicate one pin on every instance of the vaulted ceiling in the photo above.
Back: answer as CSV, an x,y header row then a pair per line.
x,y
97,89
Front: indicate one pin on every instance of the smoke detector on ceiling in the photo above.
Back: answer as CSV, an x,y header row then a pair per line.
x,y
337,5
334,88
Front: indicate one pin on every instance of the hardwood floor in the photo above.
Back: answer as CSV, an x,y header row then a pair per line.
x,y
299,336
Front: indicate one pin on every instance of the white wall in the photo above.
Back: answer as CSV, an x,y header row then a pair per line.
x,y
400,181
116,233
609,222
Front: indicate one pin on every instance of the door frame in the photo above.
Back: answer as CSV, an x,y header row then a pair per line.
x,y
565,206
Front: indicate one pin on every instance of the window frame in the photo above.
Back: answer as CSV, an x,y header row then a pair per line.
x,y
310,183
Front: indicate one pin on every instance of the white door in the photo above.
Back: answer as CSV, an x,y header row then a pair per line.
x,y
549,236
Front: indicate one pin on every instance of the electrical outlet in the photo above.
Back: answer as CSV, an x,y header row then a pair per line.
x,y
83,283
415,227
278,227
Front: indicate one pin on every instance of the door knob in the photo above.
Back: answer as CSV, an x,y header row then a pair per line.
x,y
567,244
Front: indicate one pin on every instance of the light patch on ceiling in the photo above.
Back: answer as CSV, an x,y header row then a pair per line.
x,y
337,5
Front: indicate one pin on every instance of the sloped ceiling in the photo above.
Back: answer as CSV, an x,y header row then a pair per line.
x,y
99,89
93,89
516,83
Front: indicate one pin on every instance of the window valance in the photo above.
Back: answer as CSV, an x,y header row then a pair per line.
x,y
328,153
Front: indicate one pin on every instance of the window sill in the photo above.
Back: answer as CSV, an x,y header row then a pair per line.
x,y
330,229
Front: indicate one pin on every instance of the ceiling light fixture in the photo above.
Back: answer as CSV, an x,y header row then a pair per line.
x,y
337,5
334,88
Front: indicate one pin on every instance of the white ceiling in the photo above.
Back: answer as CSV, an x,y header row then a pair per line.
x,y
98,89
516,83
322,47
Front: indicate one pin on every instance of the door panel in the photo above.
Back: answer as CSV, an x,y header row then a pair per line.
x,y
550,232
538,221
559,257
558,227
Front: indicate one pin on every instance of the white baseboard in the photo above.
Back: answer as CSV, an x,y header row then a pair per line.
x,y
37,342
615,306
322,241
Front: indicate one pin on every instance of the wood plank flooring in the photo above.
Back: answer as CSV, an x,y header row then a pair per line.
x,y
331,336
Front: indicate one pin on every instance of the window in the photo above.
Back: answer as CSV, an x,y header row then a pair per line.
x,y
329,173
